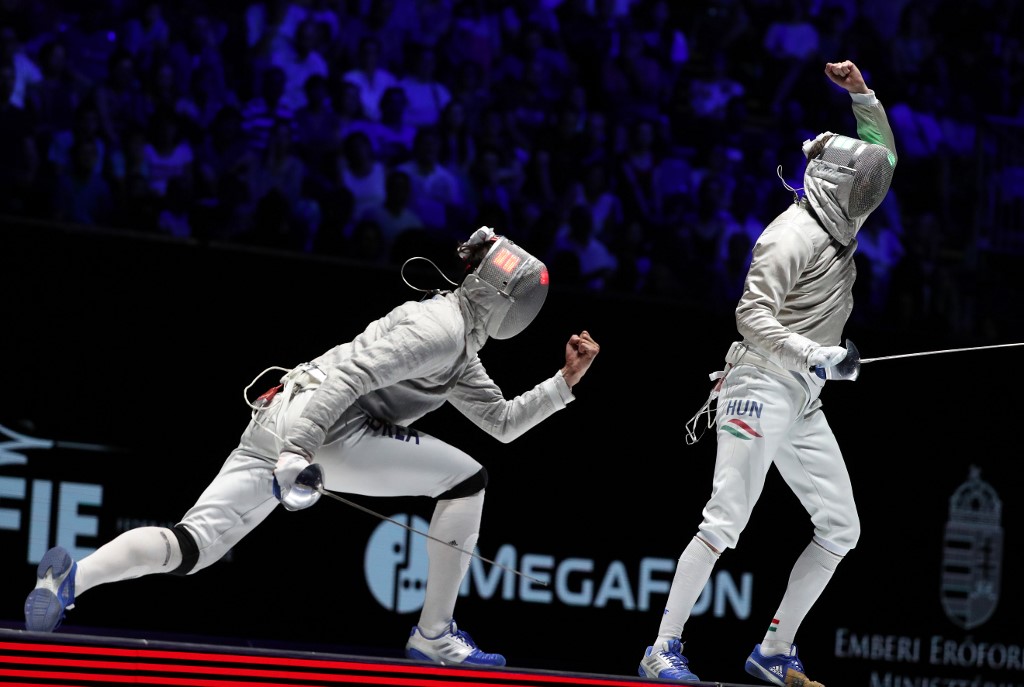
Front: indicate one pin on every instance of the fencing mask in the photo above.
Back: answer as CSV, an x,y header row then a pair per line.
x,y
520,279
847,175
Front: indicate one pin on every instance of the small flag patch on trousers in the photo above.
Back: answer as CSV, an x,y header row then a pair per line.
x,y
740,429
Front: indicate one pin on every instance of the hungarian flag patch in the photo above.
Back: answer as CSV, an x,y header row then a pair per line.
x,y
740,429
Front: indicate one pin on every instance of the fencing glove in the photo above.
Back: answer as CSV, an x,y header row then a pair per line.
x,y
835,362
826,356
297,482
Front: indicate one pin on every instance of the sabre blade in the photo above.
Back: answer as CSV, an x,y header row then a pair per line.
x,y
331,494
948,350
336,497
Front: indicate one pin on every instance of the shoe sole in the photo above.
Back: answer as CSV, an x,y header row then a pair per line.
x,y
644,673
43,609
418,655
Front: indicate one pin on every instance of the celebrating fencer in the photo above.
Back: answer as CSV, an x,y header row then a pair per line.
x,y
796,300
330,424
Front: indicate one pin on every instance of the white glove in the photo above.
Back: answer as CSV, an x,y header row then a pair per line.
x,y
826,356
297,482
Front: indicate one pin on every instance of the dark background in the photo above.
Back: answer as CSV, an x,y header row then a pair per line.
x,y
146,346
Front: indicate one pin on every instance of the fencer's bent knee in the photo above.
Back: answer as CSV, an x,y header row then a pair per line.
x,y
845,537
711,540
703,539
840,541
467,487
189,550
854,535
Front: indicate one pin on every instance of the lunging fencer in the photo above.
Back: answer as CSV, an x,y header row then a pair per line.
x,y
330,424
796,300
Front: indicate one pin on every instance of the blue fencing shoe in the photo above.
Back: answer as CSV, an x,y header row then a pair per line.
x,y
784,670
54,592
451,647
668,663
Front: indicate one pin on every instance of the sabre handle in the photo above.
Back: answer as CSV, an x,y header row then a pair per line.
x,y
848,368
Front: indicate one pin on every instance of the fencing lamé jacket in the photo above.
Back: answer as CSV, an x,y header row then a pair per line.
x,y
413,360
798,290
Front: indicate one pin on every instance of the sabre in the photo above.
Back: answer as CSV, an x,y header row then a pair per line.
x,y
849,367
948,350
312,480
331,494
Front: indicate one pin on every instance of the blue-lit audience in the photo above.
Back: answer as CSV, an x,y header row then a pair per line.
x,y
635,141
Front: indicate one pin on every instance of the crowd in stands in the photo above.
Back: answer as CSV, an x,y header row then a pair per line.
x,y
639,146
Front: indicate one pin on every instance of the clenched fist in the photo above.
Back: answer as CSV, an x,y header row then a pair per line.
x,y
846,75
580,352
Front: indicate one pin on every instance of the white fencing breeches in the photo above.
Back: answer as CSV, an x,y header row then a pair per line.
x,y
763,418
362,456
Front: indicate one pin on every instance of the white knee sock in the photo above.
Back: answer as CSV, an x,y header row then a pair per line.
x,y
456,521
137,552
811,573
692,573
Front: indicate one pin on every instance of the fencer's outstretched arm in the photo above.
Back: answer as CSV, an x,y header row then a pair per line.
x,y
872,124
481,400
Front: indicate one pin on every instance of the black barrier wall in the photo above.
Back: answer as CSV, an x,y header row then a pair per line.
x,y
125,361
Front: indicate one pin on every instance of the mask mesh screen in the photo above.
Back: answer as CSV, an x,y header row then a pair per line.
x,y
873,172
